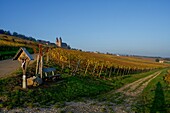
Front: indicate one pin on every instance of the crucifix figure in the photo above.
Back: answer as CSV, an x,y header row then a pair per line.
x,y
23,64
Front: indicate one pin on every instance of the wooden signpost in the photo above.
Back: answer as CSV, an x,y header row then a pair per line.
x,y
24,57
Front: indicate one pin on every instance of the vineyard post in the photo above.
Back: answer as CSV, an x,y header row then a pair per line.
x,y
98,70
87,67
78,64
124,70
106,71
94,69
114,71
128,71
58,57
117,71
110,72
101,70
134,70
62,67
120,71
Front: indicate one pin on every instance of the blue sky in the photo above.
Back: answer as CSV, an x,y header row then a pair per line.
x,y
137,27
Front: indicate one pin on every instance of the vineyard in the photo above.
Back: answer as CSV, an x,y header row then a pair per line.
x,y
167,77
99,65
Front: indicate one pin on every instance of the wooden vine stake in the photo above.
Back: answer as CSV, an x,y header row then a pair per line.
x,y
101,70
78,64
110,72
24,57
94,69
88,64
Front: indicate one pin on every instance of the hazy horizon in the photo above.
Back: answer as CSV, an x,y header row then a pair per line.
x,y
116,26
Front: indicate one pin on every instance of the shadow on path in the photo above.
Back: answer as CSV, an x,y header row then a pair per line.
x,y
158,105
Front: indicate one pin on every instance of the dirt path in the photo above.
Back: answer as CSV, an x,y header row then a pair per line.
x,y
9,66
130,92
134,88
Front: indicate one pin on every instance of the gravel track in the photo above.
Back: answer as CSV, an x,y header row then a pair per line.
x,y
9,66
130,92
134,88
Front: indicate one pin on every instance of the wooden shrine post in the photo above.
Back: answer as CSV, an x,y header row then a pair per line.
x,y
24,57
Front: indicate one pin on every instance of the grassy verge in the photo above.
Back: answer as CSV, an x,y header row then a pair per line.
x,y
155,97
69,88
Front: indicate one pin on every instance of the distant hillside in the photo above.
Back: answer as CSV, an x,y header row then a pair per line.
x,y
16,35
11,42
21,36
9,45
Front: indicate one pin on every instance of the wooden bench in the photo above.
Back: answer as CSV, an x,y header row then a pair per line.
x,y
53,76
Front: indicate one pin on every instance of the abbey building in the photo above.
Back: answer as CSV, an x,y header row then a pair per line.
x,y
60,44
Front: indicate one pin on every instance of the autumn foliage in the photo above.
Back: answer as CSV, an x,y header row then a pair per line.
x,y
100,64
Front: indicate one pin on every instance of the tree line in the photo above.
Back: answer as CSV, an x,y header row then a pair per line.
x,y
25,37
17,35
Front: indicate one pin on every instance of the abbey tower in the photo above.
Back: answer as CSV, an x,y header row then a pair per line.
x,y
59,42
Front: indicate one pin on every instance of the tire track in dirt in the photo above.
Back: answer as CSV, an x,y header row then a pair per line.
x,y
134,88
130,92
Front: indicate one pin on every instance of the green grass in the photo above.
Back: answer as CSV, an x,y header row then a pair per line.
x,y
71,88
155,97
